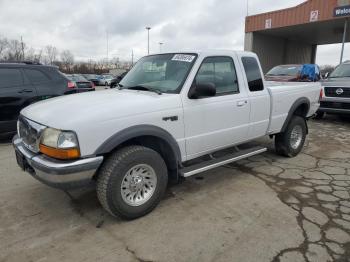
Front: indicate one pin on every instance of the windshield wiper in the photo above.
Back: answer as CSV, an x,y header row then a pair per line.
x,y
144,88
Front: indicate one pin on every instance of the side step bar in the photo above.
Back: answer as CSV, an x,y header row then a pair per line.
x,y
214,163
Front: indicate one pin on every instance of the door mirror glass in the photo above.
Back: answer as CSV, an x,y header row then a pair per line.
x,y
204,89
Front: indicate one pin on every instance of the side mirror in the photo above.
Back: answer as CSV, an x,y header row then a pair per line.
x,y
205,89
326,75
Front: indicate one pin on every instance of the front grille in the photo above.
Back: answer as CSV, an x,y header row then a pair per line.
x,y
335,105
337,91
29,132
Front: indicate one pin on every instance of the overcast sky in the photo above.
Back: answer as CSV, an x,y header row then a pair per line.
x,y
82,25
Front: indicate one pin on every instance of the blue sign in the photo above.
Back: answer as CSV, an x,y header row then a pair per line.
x,y
342,11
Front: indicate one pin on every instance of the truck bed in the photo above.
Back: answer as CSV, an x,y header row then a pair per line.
x,y
284,94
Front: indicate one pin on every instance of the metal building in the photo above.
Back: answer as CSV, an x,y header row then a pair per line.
x,y
292,35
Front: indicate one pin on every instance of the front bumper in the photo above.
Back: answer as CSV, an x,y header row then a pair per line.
x,y
56,173
335,106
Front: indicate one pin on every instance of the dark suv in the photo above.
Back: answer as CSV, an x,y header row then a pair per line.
x,y
22,84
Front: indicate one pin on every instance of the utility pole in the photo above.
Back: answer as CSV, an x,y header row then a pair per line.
x,y
160,46
148,28
22,46
247,7
107,45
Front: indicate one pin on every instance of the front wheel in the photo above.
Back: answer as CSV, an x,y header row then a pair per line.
x,y
132,182
291,141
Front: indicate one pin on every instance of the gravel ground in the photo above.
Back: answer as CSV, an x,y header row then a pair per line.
x,y
265,208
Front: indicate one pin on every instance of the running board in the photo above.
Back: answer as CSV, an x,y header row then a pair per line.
x,y
214,163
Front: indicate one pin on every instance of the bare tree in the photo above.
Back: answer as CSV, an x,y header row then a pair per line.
x,y
33,55
67,59
50,54
14,52
326,69
3,47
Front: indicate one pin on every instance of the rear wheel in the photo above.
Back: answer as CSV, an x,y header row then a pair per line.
x,y
132,182
291,141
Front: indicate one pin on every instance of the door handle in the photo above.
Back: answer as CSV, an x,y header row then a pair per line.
x,y
242,103
26,91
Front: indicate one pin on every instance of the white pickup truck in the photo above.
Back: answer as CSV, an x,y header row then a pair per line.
x,y
170,111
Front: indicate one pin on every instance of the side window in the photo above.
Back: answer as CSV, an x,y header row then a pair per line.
x,y
36,76
252,71
10,77
221,72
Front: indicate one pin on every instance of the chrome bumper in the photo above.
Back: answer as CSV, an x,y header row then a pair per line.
x,y
57,173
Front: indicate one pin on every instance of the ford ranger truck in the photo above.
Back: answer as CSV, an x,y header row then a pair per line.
x,y
336,92
173,115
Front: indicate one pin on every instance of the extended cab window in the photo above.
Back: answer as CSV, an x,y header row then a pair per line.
x,y
221,72
36,76
252,71
10,77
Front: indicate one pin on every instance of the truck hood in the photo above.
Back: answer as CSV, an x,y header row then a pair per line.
x,y
67,112
341,82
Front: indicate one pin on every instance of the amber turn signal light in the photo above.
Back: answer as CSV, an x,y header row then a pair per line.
x,y
58,153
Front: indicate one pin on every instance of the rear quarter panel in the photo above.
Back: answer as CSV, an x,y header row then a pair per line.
x,y
284,95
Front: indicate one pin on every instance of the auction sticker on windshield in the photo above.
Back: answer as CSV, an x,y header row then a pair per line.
x,y
183,58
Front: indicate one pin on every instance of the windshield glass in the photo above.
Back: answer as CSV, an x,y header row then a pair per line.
x,y
284,71
165,72
341,71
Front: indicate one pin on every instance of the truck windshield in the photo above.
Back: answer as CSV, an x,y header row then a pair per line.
x,y
341,71
289,70
165,73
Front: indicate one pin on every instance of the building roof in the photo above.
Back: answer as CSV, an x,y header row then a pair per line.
x,y
308,12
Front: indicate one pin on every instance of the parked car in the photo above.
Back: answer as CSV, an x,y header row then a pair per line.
x,y
172,108
294,73
105,80
81,83
336,92
22,84
93,78
115,81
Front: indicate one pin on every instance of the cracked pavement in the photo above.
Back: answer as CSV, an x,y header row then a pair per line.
x,y
265,208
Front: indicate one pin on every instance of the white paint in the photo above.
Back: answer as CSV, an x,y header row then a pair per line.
x,y
203,126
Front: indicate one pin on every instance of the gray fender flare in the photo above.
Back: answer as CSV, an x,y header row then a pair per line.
x,y
296,104
138,131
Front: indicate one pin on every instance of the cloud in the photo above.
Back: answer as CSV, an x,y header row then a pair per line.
x,y
82,25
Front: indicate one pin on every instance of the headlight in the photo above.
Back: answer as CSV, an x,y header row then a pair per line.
x,y
59,144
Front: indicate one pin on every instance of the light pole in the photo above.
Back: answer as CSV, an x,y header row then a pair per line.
x,y
148,28
107,44
344,40
160,46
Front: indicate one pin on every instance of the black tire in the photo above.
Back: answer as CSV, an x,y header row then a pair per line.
x,y
283,141
319,115
112,173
